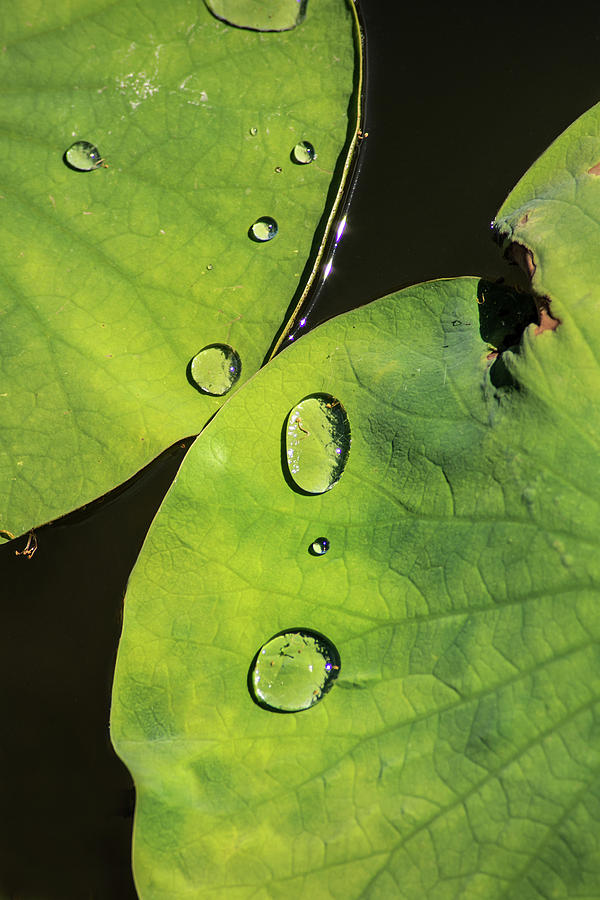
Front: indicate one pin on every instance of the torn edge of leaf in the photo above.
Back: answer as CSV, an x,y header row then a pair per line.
x,y
523,257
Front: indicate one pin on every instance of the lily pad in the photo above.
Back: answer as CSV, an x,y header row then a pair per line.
x,y
456,755
116,275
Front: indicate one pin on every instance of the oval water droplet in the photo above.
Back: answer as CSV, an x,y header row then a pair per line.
x,y
259,15
253,131
303,153
83,156
264,229
319,546
317,442
215,369
293,670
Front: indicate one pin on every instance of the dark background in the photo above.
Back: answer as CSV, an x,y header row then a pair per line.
x,y
460,101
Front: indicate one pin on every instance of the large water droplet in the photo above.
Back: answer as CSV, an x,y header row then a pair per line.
x,y
258,15
319,546
303,153
317,443
294,670
215,369
83,156
264,229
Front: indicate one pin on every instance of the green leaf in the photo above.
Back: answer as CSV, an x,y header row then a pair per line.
x,y
457,754
114,278
550,224
552,214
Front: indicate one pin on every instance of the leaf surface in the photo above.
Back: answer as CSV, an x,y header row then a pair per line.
x,y
457,755
114,278
553,213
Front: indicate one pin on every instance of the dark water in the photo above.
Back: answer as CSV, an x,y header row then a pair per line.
x,y
460,101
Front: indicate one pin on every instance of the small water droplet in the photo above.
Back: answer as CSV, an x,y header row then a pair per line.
x,y
278,169
317,443
254,131
293,670
83,156
319,546
264,229
209,266
303,153
215,369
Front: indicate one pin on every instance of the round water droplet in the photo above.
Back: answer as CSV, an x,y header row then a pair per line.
x,y
278,170
319,546
83,156
215,369
264,229
303,153
294,670
254,131
317,442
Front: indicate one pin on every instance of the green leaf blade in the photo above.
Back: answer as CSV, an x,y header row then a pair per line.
x,y
456,751
114,279
552,212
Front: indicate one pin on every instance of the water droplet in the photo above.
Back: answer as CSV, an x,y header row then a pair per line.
x,y
303,153
319,546
317,443
209,266
278,169
293,670
260,16
264,229
254,131
215,369
83,156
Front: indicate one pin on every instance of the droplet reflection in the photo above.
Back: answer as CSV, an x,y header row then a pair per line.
x,y
319,547
293,670
264,229
215,369
83,156
317,440
303,153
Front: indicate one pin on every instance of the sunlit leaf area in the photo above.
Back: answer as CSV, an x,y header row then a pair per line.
x,y
298,500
